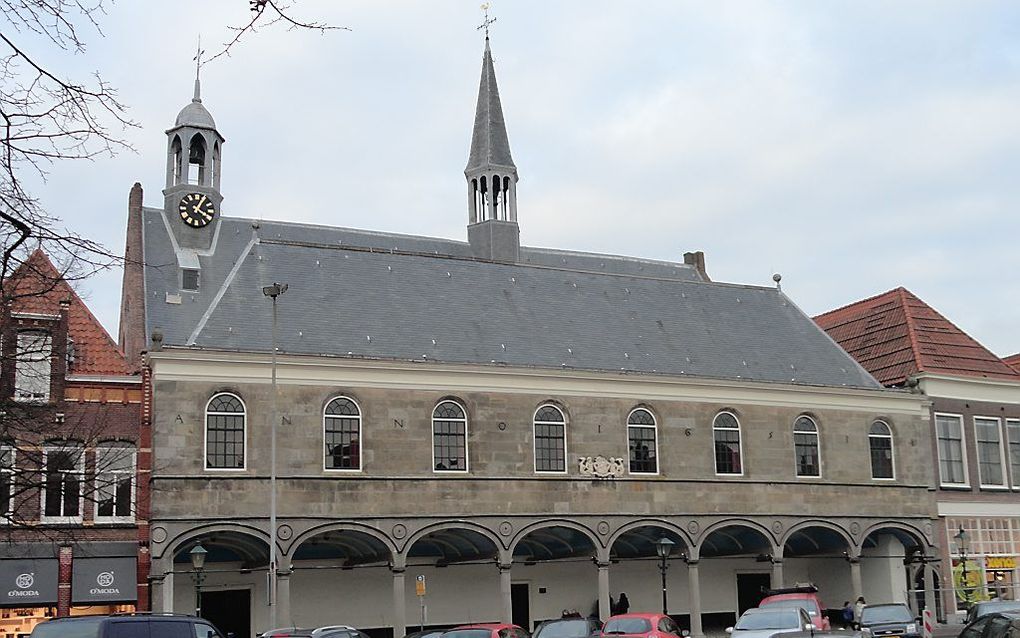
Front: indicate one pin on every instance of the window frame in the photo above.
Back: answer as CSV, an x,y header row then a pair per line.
x,y
20,360
963,451
892,450
1013,463
740,443
818,446
654,427
467,452
534,436
360,419
130,518
12,471
205,433
1002,453
79,470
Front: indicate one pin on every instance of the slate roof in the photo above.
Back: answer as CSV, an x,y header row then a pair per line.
x,y
490,146
38,287
895,335
399,297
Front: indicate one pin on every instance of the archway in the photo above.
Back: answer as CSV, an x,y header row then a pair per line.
x,y
738,560
553,570
888,553
818,553
636,569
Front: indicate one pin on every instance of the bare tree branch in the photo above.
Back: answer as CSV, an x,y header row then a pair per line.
x,y
266,13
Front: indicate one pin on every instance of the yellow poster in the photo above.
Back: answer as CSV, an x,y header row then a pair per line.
x,y
969,581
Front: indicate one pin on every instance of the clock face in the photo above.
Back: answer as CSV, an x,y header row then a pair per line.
x,y
196,210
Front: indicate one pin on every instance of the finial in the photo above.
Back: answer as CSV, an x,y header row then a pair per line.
x,y
198,68
778,278
487,22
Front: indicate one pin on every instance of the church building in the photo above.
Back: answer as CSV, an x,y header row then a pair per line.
x,y
471,431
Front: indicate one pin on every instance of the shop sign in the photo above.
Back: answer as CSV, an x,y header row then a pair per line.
x,y
1000,562
28,582
969,580
104,580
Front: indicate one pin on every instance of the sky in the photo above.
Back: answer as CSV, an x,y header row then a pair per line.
x,y
851,145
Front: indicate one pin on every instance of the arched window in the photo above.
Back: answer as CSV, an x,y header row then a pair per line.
x,y
341,423
805,444
176,152
726,434
196,160
550,439
641,440
880,442
224,433
449,438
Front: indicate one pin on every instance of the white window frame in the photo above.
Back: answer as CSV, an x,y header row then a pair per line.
x,y
740,443
361,449
534,436
1002,453
655,428
818,447
432,441
80,471
5,517
892,450
31,360
205,434
1014,463
963,451
133,473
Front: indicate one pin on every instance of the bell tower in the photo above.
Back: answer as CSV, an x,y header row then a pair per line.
x,y
192,195
491,174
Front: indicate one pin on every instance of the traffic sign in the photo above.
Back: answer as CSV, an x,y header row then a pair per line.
x,y
419,585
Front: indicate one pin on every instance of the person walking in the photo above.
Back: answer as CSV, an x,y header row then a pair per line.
x,y
858,610
848,615
622,605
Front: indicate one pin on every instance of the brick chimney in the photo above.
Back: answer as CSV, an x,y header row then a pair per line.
x,y
131,335
697,259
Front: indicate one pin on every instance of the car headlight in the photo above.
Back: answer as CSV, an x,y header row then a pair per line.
x,y
912,628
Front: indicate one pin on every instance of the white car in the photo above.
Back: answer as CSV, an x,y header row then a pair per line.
x,y
765,622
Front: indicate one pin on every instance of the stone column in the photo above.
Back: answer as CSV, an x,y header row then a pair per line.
x,y
694,585
283,597
929,590
855,577
604,611
156,592
168,592
777,573
504,592
399,603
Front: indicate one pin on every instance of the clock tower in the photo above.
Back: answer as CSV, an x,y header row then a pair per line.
x,y
192,195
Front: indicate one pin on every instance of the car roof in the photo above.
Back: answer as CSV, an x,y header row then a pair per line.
x,y
793,596
767,610
886,605
490,625
646,616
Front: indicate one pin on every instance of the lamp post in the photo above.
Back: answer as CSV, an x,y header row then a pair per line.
x,y
273,292
664,547
197,555
961,544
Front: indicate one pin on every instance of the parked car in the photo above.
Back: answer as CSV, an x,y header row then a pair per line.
x,y
136,625
337,631
889,619
486,630
995,625
288,632
763,623
568,628
803,596
977,610
641,625
428,633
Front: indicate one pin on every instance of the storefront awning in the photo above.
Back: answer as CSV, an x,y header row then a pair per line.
x,y
28,582
104,580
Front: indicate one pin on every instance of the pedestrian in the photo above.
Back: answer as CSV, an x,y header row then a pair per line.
x,y
848,615
858,610
623,606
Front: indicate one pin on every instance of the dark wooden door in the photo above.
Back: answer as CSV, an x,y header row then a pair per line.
x,y
520,605
229,610
751,589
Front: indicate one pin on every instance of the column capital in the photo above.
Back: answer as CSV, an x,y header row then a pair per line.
x,y
397,569
284,573
777,561
157,579
504,567
692,562
602,564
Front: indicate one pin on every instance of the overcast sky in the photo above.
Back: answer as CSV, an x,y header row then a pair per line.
x,y
853,146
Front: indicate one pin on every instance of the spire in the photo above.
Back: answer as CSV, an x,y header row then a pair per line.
x,y
198,68
490,147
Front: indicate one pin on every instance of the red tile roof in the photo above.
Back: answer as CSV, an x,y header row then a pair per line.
x,y
1013,361
895,335
38,287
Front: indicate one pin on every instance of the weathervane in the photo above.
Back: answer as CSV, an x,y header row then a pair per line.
x,y
488,21
198,56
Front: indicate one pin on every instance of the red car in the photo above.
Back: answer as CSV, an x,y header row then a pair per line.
x,y
486,630
804,597
641,626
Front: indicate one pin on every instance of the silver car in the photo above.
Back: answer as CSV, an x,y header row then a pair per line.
x,y
764,622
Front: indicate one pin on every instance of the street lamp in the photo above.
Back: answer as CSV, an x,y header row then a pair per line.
x,y
197,555
664,547
273,292
961,544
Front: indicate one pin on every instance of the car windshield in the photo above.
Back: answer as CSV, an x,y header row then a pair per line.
x,y
793,603
628,626
563,629
83,628
983,609
779,619
885,613
468,633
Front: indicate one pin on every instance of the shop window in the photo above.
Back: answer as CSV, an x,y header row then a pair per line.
x,y
726,436
115,480
642,441
880,442
342,432
62,486
32,366
449,438
550,440
805,443
988,439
